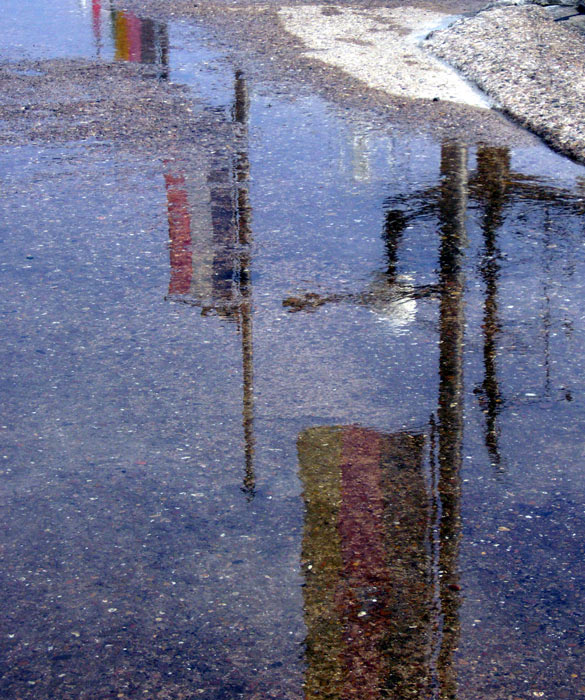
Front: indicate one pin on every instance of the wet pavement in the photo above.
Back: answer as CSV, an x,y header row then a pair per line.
x,y
293,391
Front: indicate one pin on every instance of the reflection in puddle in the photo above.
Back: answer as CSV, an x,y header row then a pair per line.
x,y
368,594
493,177
210,248
122,35
139,40
381,536
380,626
398,397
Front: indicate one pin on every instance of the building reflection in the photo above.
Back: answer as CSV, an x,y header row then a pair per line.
x,y
135,39
96,24
210,241
140,40
381,536
368,594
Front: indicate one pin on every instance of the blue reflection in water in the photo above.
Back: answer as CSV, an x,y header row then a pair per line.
x,y
405,420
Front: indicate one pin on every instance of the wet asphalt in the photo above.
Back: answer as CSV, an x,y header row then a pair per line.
x,y
292,382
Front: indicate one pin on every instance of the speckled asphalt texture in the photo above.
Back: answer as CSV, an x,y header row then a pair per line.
x,y
529,58
293,398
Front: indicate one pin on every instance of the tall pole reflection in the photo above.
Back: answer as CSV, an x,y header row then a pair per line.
x,y
493,173
244,230
452,218
210,248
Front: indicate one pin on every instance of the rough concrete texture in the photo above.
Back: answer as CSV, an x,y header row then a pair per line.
x,y
531,65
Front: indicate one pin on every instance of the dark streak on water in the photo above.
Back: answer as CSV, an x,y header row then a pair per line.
x,y
298,418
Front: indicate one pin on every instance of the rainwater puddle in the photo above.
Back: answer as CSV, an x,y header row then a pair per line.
x,y
290,410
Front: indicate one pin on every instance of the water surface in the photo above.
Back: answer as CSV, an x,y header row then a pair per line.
x,y
298,415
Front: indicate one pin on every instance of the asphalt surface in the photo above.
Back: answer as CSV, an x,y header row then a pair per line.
x,y
293,398
527,58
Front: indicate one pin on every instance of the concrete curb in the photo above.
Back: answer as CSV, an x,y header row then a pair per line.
x,y
532,66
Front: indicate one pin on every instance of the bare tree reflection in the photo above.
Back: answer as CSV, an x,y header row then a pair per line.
x,y
492,188
244,228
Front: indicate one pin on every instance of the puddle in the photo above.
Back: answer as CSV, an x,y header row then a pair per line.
x,y
292,412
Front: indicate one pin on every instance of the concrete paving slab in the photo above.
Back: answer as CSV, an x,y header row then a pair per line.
x,y
381,47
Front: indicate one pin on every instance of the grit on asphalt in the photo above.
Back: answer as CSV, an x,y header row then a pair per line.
x,y
367,60
368,50
381,48
540,83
